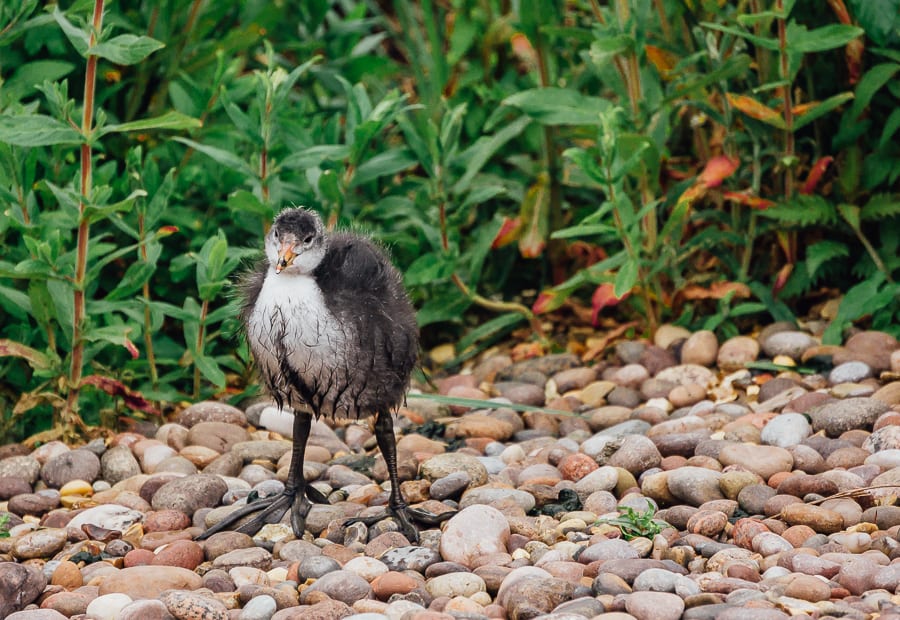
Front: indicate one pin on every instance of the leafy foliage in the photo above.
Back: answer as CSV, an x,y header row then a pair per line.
x,y
695,162
634,524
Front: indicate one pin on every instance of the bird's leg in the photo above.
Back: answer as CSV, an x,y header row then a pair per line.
x,y
397,506
272,509
387,443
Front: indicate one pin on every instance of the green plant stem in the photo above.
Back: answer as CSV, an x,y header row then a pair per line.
x,y
484,302
148,321
70,419
204,311
785,71
556,248
632,252
873,254
755,185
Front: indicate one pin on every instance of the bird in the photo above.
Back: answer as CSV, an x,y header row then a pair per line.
x,y
333,334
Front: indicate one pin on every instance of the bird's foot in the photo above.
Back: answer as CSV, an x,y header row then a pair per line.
x,y
270,510
405,515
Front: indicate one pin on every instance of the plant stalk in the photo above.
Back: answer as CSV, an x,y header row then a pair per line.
x,y
204,310
785,71
70,419
148,321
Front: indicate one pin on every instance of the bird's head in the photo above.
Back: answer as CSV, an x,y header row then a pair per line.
x,y
296,242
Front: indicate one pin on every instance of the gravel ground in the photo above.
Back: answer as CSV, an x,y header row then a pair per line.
x,y
772,493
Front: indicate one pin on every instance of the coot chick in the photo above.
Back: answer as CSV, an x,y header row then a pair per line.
x,y
333,334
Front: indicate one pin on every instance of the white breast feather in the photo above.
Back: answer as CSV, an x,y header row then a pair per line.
x,y
290,308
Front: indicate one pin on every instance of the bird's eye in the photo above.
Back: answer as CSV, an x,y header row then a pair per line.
x,y
308,239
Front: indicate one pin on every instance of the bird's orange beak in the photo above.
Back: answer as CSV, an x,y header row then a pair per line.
x,y
285,257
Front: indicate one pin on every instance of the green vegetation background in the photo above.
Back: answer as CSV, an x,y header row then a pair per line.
x,y
717,164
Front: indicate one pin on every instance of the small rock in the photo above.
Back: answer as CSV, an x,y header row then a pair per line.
x,y
190,493
694,485
820,519
149,581
761,460
71,465
20,585
850,372
211,411
654,606
790,343
701,348
843,415
190,606
339,585
474,532
108,606
736,352
786,430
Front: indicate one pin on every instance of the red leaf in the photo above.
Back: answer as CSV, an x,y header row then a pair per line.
x,y
509,232
131,348
663,60
604,296
754,109
535,218
548,301
717,170
114,387
524,50
815,174
781,279
165,231
754,202
716,290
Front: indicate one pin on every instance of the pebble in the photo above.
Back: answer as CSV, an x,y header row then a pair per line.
x,y
475,531
655,425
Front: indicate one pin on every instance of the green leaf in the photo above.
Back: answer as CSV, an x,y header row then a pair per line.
x,y
820,109
850,213
871,82
126,49
114,334
210,369
15,302
819,253
329,187
95,213
821,39
35,359
246,202
79,38
36,130
879,18
135,276
890,128
626,278
315,155
30,74
427,269
880,207
226,158
486,330
764,42
384,164
487,404
584,230
605,48
858,302
476,156
169,120
559,106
